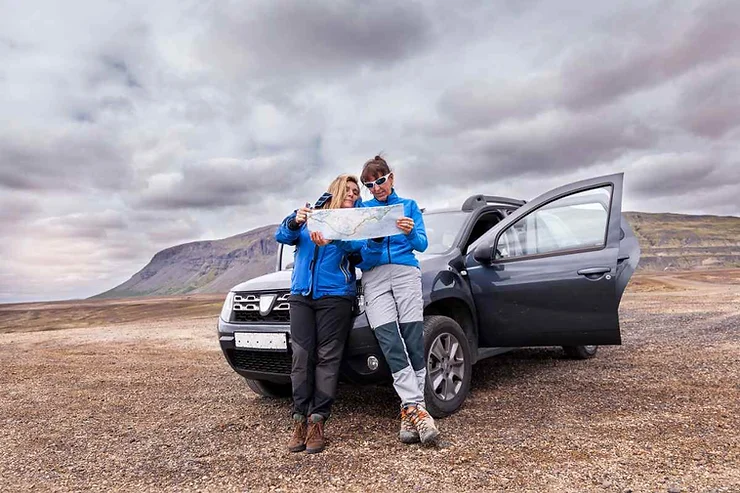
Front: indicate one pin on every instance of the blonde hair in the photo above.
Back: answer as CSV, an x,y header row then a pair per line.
x,y
338,190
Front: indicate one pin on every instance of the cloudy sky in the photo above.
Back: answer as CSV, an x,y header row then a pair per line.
x,y
130,126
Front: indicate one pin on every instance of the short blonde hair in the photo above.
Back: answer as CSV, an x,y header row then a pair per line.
x,y
338,190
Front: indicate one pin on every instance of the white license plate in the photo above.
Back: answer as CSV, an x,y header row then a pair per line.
x,y
261,340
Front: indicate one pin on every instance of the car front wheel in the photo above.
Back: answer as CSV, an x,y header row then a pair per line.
x,y
269,389
448,363
580,352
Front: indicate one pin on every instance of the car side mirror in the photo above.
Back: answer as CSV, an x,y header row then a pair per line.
x,y
483,253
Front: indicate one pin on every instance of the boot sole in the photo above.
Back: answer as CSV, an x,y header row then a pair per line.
x,y
410,439
299,448
315,450
430,439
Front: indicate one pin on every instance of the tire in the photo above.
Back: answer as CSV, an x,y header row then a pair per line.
x,y
449,365
580,352
269,389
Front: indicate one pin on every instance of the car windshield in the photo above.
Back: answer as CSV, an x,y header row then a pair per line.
x,y
287,256
442,230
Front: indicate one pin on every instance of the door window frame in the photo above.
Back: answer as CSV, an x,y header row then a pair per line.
x,y
556,253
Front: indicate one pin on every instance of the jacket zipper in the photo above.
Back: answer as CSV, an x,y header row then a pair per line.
x,y
311,268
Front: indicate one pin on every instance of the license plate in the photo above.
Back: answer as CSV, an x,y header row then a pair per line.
x,y
261,340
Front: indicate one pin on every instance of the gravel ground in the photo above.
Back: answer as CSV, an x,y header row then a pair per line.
x,y
152,406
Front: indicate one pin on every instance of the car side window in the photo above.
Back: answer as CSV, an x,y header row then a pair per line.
x,y
574,222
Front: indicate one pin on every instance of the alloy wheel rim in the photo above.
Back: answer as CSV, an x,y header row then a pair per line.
x,y
446,366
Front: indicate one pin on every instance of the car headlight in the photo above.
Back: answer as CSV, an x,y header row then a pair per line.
x,y
228,307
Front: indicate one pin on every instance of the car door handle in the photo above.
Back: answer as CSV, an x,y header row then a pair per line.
x,y
622,258
592,271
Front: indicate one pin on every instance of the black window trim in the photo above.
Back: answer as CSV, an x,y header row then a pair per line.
x,y
559,252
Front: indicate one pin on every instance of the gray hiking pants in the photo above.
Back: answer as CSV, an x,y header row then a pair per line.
x,y
395,310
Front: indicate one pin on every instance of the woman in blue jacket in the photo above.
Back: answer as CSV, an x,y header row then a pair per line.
x,y
391,285
323,292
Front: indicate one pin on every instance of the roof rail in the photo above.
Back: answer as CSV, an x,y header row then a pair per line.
x,y
476,201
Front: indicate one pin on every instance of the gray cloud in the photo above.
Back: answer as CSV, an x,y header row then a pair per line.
x,y
542,146
608,68
87,225
615,68
294,38
68,158
678,174
16,207
553,142
223,182
710,106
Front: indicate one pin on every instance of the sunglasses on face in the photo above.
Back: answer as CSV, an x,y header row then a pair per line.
x,y
378,182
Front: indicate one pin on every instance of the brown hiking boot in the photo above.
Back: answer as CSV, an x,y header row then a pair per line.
x,y
315,437
423,423
297,442
408,433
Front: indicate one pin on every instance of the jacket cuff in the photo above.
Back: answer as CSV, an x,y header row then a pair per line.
x,y
293,224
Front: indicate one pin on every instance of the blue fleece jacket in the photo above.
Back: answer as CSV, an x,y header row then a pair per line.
x,y
318,271
396,249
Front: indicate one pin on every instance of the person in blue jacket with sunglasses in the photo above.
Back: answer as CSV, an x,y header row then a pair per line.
x,y
323,293
391,285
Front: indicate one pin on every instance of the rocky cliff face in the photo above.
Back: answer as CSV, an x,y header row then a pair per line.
x,y
203,266
683,242
668,242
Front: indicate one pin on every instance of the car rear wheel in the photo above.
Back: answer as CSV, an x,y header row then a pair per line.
x,y
580,352
448,363
269,389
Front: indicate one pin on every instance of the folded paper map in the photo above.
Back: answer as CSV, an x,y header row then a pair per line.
x,y
356,224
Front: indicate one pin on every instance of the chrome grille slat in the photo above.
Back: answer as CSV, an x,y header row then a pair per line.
x,y
246,297
247,308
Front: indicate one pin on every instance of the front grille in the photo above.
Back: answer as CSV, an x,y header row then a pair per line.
x,y
280,318
265,361
247,307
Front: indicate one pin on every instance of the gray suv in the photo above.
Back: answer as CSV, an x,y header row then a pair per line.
x,y
499,273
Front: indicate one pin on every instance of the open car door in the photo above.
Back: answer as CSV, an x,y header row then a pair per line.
x,y
547,274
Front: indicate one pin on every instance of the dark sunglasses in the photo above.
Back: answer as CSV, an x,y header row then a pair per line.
x,y
378,182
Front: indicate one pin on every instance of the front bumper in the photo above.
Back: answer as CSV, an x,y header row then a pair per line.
x,y
274,366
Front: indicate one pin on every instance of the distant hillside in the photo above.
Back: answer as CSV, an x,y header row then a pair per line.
x,y
203,266
684,242
668,242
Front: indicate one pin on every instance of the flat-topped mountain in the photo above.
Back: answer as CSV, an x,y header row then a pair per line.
x,y
203,266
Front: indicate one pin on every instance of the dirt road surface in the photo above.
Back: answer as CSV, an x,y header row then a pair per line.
x,y
135,396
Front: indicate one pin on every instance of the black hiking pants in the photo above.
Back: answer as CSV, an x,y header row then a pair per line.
x,y
318,330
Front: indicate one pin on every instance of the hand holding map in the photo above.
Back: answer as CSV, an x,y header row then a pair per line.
x,y
356,224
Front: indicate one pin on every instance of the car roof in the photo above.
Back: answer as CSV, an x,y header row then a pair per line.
x,y
480,201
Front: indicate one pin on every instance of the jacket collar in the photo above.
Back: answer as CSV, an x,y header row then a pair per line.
x,y
390,200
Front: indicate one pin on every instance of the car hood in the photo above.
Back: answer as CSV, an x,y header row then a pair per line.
x,y
432,261
279,280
